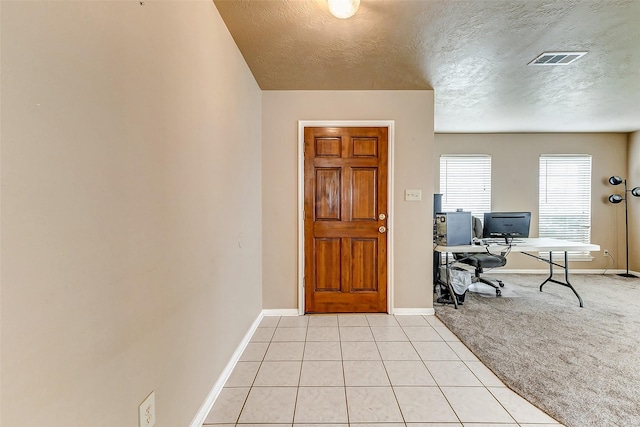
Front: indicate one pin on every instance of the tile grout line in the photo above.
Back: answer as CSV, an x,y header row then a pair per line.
x,y
393,390
379,353
344,377
256,376
434,378
295,403
476,376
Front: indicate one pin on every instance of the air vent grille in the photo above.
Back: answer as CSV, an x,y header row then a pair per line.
x,y
557,58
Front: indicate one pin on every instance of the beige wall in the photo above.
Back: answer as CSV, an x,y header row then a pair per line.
x,y
131,209
412,112
634,202
133,238
514,183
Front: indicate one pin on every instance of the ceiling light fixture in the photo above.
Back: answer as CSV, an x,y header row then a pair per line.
x,y
557,58
343,9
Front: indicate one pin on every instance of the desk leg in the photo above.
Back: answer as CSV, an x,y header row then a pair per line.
x,y
448,280
566,282
450,285
550,278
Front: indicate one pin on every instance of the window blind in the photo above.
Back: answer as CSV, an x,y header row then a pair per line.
x,y
465,183
565,198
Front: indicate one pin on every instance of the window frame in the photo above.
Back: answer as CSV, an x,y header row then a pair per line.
x,y
565,194
480,176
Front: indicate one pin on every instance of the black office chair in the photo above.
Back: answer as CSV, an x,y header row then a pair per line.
x,y
482,260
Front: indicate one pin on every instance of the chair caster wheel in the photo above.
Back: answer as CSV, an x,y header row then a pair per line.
x,y
498,292
501,283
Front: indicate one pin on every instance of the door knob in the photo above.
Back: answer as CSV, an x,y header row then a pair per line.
x,y
382,229
382,217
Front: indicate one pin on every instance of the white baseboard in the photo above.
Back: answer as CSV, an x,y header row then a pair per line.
x,y
281,312
398,311
413,311
599,271
205,408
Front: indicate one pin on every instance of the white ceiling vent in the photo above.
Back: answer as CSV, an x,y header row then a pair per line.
x,y
557,58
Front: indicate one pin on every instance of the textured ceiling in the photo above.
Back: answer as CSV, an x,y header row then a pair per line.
x,y
473,53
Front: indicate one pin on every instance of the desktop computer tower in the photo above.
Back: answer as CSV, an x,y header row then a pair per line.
x,y
453,228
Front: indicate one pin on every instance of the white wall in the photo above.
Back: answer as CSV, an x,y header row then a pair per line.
x,y
131,209
413,115
514,181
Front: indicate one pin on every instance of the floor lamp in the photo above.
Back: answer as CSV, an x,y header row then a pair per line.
x,y
617,198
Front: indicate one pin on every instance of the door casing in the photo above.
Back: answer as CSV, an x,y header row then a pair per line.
x,y
389,124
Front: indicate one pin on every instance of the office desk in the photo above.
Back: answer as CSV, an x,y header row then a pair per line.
x,y
527,246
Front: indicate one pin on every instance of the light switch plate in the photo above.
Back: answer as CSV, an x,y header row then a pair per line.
x,y
412,195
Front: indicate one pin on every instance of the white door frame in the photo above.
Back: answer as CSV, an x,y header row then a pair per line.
x,y
390,125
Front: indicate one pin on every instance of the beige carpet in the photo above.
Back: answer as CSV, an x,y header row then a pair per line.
x,y
580,365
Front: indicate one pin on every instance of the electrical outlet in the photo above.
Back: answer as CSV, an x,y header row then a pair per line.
x,y
147,411
606,252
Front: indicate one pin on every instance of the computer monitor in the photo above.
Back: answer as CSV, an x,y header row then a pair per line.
x,y
506,224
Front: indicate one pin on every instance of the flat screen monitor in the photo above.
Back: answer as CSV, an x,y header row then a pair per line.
x,y
506,224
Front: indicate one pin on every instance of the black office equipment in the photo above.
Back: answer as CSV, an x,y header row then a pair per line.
x,y
437,207
480,261
506,225
451,229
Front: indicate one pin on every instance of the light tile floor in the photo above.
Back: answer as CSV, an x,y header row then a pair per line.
x,y
364,370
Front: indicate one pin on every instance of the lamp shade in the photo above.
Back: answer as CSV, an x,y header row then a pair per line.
x,y
615,198
615,180
636,191
343,8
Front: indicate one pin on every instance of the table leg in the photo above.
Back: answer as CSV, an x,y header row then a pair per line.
x,y
449,284
447,279
566,282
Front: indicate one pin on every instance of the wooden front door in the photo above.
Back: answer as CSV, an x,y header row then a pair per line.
x,y
345,219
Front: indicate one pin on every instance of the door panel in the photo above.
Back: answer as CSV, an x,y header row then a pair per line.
x,y
328,147
365,147
364,265
328,194
328,254
363,194
345,237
